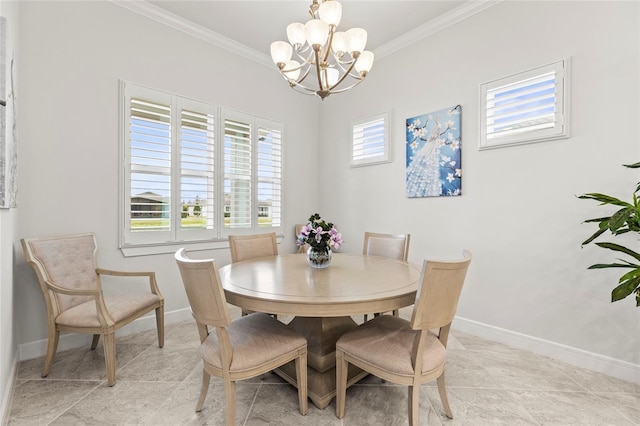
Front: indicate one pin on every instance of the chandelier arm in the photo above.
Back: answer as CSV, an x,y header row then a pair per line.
x,y
332,28
318,69
347,88
348,72
306,60
301,79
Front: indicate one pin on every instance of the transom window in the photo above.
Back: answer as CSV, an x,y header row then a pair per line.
x,y
370,141
527,107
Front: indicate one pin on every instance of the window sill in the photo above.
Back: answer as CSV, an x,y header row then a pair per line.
x,y
153,249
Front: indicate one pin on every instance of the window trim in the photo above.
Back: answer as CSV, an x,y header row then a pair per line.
x,y
560,130
380,159
216,238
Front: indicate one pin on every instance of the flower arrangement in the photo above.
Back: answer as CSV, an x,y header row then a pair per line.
x,y
319,234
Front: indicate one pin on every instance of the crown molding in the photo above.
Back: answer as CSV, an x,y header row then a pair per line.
x,y
179,23
435,25
172,20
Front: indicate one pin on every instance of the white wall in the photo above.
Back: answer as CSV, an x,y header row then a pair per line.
x,y
74,55
8,224
518,214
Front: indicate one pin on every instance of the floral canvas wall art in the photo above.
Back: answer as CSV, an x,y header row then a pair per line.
x,y
434,154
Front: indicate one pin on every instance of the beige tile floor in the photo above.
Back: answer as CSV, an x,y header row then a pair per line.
x,y
488,384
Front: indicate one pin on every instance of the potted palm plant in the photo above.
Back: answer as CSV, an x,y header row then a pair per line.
x,y
625,219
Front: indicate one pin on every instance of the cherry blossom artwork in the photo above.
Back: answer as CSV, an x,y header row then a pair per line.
x,y
434,154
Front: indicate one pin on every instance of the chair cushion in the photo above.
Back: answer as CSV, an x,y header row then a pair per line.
x,y
386,342
119,308
256,339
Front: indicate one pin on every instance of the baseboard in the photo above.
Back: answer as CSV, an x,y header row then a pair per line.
x,y
5,407
580,358
74,340
610,366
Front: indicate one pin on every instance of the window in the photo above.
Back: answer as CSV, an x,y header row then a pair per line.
x,y
370,143
194,172
528,107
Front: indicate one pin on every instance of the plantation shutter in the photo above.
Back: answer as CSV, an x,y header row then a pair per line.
x,y
237,173
196,172
370,141
269,171
149,165
526,107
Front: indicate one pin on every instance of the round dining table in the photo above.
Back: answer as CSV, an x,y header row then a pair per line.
x,y
321,301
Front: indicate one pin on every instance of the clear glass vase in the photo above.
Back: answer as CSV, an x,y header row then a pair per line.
x,y
318,257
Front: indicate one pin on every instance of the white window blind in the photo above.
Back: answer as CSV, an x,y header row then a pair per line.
x,y
269,175
527,107
370,141
237,173
179,184
197,170
148,200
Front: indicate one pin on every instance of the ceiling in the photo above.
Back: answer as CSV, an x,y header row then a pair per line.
x,y
256,24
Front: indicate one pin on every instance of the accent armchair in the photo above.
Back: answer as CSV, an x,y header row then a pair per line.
x,y
70,282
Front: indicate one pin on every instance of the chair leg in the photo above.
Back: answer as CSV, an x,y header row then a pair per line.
x,y
52,347
109,342
342,369
230,396
301,377
160,325
203,390
443,396
396,312
414,405
94,342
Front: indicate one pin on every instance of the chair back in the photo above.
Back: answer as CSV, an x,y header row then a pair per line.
x,y
395,246
302,248
439,292
201,281
244,247
66,261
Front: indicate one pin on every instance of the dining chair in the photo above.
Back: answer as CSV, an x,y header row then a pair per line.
x,y
246,247
240,349
394,246
71,284
407,352
303,248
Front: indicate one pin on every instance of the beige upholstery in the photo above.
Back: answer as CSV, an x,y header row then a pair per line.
x,y
245,247
394,246
70,282
302,248
407,352
239,349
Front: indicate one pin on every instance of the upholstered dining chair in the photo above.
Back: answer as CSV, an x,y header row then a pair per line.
x,y
70,281
394,246
240,349
245,247
407,352
302,248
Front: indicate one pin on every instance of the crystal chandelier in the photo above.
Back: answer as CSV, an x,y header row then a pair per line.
x,y
327,61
